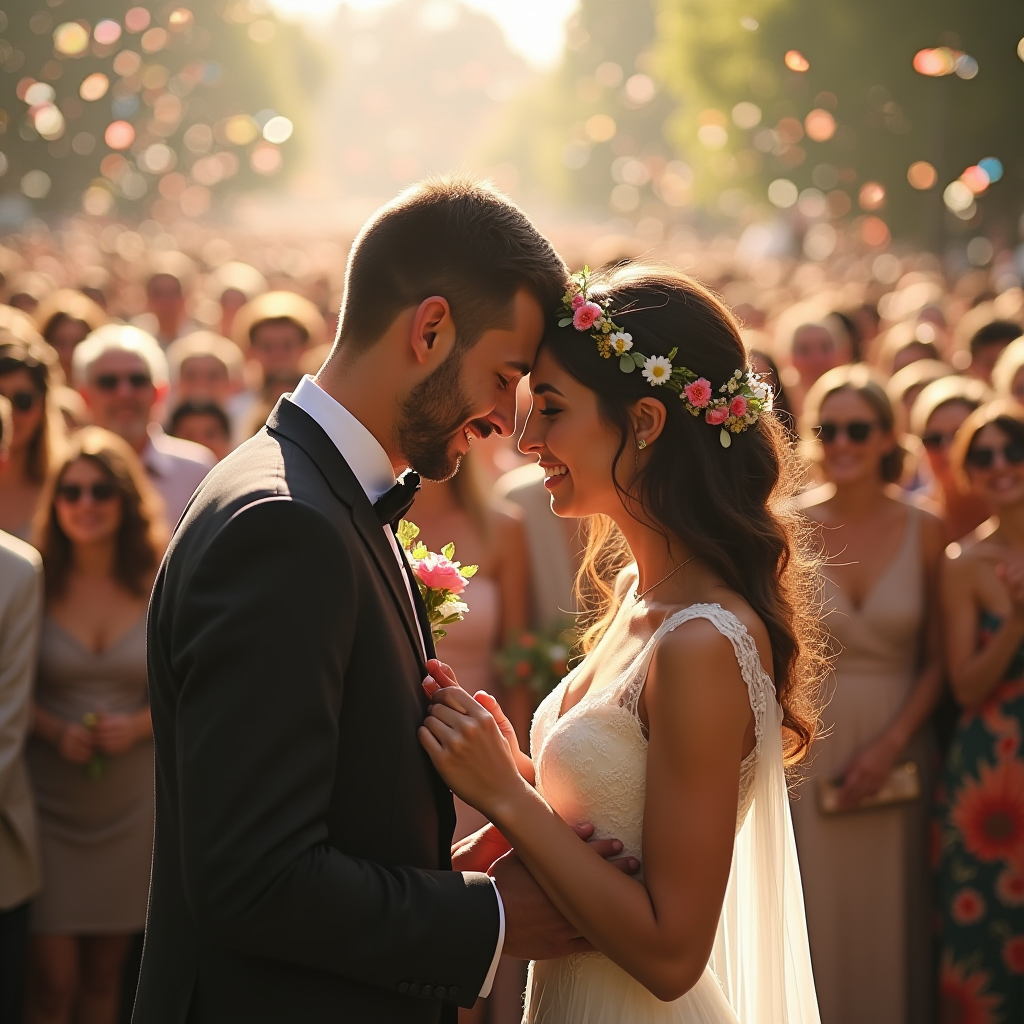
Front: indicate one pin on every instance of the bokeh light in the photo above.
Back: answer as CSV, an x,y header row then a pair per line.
x,y
181,18
278,130
97,201
106,32
94,86
600,128
137,19
936,62
640,89
39,93
993,167
36,184
153,40
966,66
975,179
126,63
746,115
875,232
241,130
1020,49
957,196
922,175
820,242
71,39
783,193
265,158
119,135
871,195
980,251
820,125
796,61
49,122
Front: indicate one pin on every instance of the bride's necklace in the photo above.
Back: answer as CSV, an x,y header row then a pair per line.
x,y
640,597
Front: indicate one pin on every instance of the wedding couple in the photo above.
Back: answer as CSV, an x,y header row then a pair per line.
x,y
307,744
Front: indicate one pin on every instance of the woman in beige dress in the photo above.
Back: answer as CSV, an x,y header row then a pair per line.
x,y
91,752
865,869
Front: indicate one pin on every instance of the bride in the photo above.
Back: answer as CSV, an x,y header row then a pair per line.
x,y
673,733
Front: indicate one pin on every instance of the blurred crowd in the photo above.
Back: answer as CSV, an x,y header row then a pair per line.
x,y
131,361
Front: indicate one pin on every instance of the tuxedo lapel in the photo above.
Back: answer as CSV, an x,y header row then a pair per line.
x,y
298,426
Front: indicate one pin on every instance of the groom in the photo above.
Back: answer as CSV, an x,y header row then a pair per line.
x,y
302,868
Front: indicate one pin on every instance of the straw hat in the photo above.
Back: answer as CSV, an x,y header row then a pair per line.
x,y
279,306
236,276
74,305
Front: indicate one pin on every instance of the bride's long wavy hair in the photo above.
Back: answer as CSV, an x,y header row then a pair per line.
x,y
733,506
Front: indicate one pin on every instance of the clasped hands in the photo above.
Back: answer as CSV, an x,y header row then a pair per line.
x,y
474,747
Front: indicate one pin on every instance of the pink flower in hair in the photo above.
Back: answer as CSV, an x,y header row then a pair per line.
x,y
738,406
717,416
577,301
586,316
698,394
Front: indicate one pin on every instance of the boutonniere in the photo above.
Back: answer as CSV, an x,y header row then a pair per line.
x,y
441,580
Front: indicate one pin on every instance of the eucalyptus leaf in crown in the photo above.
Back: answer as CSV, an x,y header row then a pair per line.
x,y
735,405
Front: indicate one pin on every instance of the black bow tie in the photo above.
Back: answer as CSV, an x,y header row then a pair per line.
x,y
392,505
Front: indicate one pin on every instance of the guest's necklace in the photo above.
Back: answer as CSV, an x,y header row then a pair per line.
x,y
639,597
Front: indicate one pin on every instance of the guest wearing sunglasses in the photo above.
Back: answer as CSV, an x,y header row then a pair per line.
x,y
38,429
981,800
91,753
122,373
860,829
935,417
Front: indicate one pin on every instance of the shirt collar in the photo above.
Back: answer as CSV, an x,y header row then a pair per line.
x,y
359,448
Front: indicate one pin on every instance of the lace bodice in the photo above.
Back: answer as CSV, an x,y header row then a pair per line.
x,y
591,762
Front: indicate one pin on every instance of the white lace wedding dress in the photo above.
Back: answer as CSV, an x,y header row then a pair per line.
x,y
591,765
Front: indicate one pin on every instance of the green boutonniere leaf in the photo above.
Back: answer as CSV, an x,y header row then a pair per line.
x,y
626,364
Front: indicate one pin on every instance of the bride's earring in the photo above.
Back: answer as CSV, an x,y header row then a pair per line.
x,y
641,444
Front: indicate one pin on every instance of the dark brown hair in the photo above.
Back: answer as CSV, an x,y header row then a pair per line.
x,y
140,538
37,360
1003,413
732,506
451,237
863,381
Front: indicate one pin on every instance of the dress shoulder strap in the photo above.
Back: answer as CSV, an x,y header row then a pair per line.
x,y
759,685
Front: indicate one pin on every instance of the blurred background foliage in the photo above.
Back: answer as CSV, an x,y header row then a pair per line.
x,y
126,104
693,108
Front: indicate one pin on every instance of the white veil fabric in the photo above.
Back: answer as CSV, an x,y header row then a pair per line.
x,y
761,955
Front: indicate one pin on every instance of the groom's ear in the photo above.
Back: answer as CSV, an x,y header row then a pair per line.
x,y
432,335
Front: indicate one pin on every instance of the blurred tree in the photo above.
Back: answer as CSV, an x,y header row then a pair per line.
x,y
115,105
590,133
826,96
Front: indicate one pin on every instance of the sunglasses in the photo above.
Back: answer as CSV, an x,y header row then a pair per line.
x,y
22,401
110,381
858,431
984,458
72,493
937,441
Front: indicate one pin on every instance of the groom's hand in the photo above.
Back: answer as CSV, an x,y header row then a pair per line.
x,y
534,928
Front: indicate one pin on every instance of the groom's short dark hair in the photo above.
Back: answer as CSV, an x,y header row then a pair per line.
x,y
453,237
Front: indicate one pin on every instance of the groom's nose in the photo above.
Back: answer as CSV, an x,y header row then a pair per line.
x,y
503,416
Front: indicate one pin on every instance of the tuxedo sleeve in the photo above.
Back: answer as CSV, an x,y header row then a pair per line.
x,y
260,697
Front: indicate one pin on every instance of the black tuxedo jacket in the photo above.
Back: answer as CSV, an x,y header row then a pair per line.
x,y
301,869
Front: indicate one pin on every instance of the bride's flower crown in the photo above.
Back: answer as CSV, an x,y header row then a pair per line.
x,y
739,401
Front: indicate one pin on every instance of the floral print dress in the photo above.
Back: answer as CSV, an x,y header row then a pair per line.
x,y
979,853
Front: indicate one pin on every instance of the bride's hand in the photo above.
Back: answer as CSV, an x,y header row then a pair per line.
x,y
467,748
441,675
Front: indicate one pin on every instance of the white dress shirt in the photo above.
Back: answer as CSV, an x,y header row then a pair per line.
x,y
372,468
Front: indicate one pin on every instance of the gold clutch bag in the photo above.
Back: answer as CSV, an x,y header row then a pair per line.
x,y
903,786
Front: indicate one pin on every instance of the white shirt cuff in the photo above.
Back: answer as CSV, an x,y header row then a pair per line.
x,y
485,989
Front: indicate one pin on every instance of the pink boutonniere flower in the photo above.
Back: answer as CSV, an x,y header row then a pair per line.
x,y
438,576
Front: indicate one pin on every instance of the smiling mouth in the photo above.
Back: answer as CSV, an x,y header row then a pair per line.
x,y
553,475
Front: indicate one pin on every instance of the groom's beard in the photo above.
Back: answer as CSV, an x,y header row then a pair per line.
x,y
431,418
